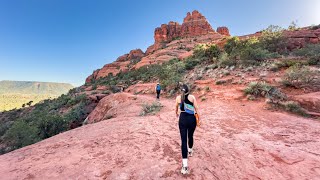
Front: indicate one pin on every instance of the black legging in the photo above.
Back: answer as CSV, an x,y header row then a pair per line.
x,y
187,125
158,94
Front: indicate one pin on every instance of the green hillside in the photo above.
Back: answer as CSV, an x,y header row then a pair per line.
x,y
29,87
15,94
12,101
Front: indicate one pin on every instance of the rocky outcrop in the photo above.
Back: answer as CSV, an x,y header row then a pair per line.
x,y
92,76
223,31
121,64
299,38
167,32
194,24
172,40
296,38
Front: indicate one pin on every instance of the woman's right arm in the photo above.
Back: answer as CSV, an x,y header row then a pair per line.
x,y
177,106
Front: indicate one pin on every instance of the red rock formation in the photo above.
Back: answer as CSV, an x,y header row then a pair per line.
x,y
92,76
121,64
135,55
195,24
167,32
299,38
295,39
223,31
195,29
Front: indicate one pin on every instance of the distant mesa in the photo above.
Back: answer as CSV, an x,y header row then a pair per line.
x,y
20,94
30,87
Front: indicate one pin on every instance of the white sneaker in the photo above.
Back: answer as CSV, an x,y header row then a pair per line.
x,y
190,152
184,170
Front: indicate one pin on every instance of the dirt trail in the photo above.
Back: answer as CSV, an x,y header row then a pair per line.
x,y
236,141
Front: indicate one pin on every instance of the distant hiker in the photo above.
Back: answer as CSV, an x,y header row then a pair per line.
x,y
188,120
158,90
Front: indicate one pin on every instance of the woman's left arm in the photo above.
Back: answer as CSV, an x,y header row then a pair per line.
x,y
196,107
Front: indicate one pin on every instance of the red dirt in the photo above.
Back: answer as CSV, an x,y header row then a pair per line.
x,y
236,141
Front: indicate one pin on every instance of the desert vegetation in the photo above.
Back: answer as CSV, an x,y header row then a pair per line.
x,y
152,108
169,73
43,120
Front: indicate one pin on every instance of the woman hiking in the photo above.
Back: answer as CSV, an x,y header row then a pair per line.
x,y
188,107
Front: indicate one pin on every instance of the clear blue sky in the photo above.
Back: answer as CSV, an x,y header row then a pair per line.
x,y
65,40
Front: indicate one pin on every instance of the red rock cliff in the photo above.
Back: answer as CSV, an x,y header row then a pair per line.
x,y
223,31
194,24
121,64
195,29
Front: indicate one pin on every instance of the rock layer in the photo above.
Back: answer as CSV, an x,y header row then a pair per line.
x,y
121,64
194,24
297,38
223,30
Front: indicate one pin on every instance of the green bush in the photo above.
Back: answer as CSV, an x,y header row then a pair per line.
x,y
258,89
257,54
312,51
50,125
21,134
190,63
150,108
301,77
248,50
309,50
225,61
171,75
314,60
294,107
76,99
77,114
220,82
232,45
262,89
213,51
273,40
286,63
206,52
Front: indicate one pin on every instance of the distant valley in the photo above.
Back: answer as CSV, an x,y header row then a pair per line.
x,y
17,94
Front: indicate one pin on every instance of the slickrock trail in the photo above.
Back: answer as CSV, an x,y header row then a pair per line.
x,y
238,140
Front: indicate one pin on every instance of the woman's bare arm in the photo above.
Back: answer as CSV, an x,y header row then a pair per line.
x,y
196,107
177,106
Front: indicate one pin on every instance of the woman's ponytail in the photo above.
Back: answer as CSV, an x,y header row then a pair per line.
x,y
185,91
